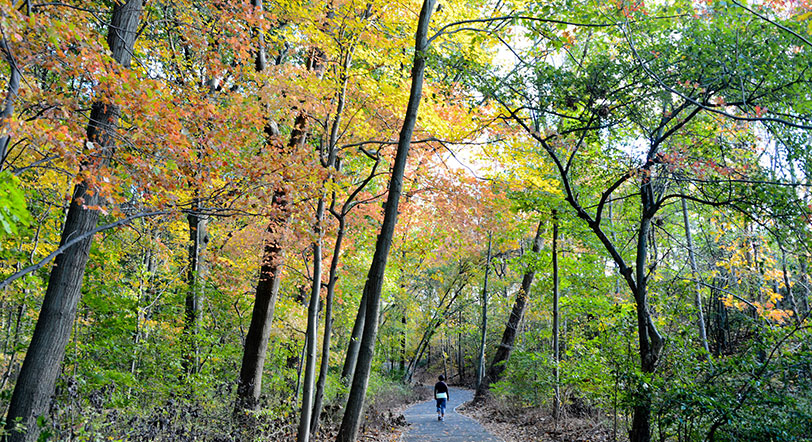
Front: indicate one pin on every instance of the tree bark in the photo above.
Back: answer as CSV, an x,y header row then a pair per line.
x,y
259,330
8,105
556,356
803,267
333,163
700,316
303,434
249,386
352,416
788,284
424,345
502,355
649,339
35,384
351,358
198,239
403,336
480,371
328,326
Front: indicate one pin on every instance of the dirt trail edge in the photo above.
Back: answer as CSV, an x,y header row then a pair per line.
x,y
424,425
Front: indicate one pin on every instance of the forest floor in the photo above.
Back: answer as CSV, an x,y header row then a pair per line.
x,y
517,424
384,420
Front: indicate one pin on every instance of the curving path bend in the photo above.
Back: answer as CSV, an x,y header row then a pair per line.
x,y
424,425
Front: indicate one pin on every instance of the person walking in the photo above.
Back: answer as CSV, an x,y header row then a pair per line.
x,y
441,395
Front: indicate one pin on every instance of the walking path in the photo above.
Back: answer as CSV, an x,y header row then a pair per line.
x,y
424,425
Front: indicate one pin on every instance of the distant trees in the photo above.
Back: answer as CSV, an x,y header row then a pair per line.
x,y
654,120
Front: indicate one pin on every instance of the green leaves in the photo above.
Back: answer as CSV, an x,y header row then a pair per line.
x,y
13,212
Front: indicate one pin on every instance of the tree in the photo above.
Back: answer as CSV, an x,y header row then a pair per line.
x,y
565,110
42,363
372,288
480,371
502,355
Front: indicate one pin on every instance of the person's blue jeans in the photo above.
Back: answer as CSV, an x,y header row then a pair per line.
x,y
441,406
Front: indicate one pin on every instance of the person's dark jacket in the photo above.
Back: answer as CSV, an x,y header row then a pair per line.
x,y
441,387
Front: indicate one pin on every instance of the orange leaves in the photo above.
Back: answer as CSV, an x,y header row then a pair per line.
x,y
765,310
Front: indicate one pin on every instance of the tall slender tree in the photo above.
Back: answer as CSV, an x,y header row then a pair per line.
x,y
556,322
497,366
43,361
480,370
372,289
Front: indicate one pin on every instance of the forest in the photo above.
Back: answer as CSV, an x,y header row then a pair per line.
x,y
276,219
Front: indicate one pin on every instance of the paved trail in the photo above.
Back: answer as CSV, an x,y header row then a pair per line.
x,y
455,428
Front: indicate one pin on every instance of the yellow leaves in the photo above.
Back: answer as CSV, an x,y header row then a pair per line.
x,y
543,184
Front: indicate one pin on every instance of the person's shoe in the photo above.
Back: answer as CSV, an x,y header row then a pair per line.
x,y
439,418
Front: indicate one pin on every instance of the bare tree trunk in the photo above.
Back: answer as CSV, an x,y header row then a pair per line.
x,y
256,340
403,336
424,345
303,435
700,316
332,163
328,326
788,284
300,367
556,358
35,384
198,239
803,266
502,355
480,369
649,339
352,415
11,96
259,330
445,352
460,362
355,341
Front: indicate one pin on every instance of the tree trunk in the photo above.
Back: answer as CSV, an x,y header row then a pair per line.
x,y
424,345
8,105
303,435
445,352
259,331
198,238
804,275
332,163
480,370
328,326
649,340
35,384
460,362
354,345
256,340
502,355
556,358
404,324
700,316
352,415
790,294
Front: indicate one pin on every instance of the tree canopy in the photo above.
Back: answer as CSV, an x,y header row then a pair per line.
x,y
256,220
